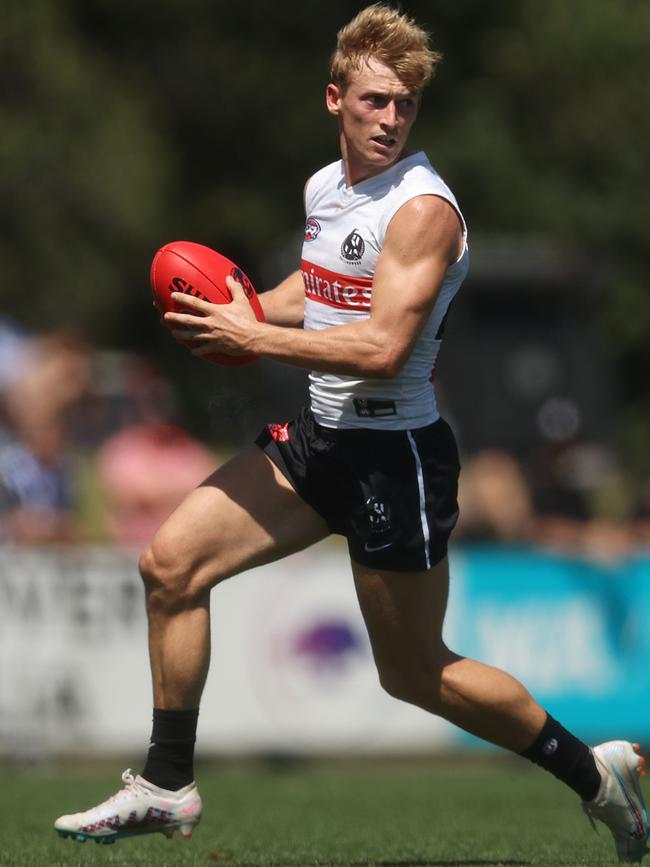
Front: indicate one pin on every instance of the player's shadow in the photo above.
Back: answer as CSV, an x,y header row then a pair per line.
x,y
466,862
471,862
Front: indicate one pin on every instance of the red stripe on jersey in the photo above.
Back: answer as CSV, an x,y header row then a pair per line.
x,y
337,290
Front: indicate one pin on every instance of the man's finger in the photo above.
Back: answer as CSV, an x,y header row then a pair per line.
x,y
235,288
189,336
191,301
190,320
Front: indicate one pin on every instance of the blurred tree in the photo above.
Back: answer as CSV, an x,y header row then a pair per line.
x,y
548,135
84,173
127,124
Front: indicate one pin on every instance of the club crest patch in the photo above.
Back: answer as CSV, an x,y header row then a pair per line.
x,y
378,514
353,248
312,229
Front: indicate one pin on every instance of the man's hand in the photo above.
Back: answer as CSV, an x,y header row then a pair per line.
x,y
213,327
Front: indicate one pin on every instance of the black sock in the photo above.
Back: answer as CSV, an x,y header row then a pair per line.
x,y
171,754
558,751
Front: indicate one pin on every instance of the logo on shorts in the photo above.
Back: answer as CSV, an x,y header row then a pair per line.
x,y
378,515
353,248
279,432
379,524
550,747
312,229
371,548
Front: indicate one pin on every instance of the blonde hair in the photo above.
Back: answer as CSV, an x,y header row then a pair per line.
x,y
392,37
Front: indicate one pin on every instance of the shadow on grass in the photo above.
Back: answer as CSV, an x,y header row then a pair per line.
x,y
471,862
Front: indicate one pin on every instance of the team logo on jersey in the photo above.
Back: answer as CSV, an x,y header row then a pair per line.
x,y
312,229
353,248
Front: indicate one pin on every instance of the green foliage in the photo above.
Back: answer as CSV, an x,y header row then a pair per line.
x,y
551,128
125,125
548,135
84,172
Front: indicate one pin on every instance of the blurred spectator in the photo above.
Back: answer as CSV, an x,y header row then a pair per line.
x,y
641,522
577,501
148,466
495,502
127,388
36,476
13,342
146,470
60,401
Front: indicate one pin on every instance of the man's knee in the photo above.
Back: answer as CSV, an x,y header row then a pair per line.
x,y
419,684
172,579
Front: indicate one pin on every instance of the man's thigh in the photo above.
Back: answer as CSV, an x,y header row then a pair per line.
x,y
245,514
404,612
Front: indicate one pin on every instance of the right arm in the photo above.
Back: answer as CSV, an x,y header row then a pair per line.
x,y
285,305
423,239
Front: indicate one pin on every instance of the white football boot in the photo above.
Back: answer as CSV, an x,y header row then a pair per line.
x,y
138,808
619,802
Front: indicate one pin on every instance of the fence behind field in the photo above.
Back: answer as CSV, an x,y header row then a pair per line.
x,y
292,669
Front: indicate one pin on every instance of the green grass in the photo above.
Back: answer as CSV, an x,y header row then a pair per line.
x,y
431,815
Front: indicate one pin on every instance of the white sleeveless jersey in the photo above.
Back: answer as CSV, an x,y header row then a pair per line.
x,y
344,234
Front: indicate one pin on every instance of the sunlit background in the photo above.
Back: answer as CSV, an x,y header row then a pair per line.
x,y
126,124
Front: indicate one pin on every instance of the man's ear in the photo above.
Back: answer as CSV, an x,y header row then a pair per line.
x,y
333,99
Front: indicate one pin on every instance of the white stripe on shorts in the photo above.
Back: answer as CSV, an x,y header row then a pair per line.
x,y
423,514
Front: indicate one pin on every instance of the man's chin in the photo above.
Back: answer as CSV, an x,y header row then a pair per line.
x,y
385,157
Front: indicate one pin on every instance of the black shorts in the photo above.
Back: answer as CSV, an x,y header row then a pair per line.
x,y
392,494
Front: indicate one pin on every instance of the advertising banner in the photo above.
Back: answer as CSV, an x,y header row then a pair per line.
x,y
291,666
575,632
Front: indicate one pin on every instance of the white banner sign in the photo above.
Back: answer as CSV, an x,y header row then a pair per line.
x,y
291,664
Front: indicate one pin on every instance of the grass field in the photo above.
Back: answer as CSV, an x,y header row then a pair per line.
x,y
432,815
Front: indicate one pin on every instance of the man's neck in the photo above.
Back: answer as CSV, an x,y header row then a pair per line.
x,y
356,171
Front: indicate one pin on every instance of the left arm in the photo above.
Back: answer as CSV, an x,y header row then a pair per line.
x,y
285,305
423,238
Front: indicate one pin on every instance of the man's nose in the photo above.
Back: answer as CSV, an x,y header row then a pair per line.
x,y
389,118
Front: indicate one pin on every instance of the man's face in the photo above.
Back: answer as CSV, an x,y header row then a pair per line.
x,y
375,112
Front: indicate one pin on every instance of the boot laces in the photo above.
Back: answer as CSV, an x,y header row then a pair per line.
x,y
131,787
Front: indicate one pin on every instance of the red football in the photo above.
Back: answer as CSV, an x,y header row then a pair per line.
x,y
182,266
